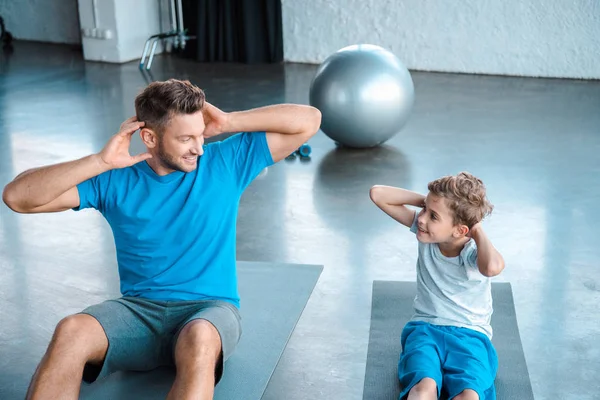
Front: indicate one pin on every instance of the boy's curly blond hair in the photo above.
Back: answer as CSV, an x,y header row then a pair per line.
x,y
465,195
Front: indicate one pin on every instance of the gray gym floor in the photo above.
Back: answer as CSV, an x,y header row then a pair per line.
x,y
534,142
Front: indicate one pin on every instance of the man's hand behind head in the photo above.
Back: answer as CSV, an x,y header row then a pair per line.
x,y
116,152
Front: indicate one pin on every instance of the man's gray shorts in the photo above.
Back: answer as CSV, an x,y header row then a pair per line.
x,y
142,333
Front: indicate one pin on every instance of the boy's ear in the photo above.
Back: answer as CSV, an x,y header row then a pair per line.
x,y
461,230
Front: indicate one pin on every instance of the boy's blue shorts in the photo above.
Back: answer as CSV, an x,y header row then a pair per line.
x,y
455,358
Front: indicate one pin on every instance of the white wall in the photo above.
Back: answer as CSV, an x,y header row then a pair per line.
x,y
95,49
54,21
130,23
542,38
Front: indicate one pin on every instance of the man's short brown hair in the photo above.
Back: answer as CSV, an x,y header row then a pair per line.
x,y
160,101
465,195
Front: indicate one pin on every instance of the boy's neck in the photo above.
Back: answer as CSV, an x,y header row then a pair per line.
x,y
453,249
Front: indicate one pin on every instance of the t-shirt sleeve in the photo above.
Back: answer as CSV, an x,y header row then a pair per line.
x,y
246,154
414,226
93,192
469,255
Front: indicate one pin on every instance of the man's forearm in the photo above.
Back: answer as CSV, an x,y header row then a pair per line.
x,y
284,118
489,260
39,186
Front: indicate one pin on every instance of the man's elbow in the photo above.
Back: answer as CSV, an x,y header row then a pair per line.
x,y
314,120
10,199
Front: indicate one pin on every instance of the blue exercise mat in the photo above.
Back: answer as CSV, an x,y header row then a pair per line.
x,y
392,307
273,297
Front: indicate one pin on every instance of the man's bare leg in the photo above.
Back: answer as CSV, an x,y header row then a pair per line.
x,y
78,339
197,352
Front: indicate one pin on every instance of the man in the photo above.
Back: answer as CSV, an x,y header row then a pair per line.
x,y
173,213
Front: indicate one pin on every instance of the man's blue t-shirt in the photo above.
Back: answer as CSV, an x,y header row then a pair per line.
x,y
175,235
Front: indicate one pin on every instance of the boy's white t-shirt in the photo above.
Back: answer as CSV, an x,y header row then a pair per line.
x,y
451,290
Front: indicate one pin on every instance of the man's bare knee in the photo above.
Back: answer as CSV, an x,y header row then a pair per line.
x,y
425,385
198,340
81,335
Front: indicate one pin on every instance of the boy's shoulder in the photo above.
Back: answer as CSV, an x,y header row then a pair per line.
x,y
468,255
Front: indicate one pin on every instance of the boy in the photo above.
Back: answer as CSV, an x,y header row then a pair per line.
x,y
447,344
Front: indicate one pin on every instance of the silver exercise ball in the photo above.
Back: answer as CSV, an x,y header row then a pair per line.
x,y
365,95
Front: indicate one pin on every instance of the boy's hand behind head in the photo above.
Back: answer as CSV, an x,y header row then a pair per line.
x,y
474,229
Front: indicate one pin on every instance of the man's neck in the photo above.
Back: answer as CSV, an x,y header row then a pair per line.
x,y
158,167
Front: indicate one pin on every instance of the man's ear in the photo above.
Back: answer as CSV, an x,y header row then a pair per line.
x,y
461,230
149,137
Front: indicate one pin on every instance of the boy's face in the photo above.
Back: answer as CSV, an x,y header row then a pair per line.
x,y
436,222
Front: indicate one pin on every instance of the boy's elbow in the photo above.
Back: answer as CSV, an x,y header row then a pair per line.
x,y
493,269
375,193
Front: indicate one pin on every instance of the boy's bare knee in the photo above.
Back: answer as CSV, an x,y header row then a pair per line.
x,y
425,385
467,394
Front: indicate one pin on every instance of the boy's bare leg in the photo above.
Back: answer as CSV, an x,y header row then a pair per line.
x,y
196,355
426,389
467,394
78,339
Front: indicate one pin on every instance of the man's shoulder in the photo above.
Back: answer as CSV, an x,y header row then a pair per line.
x,y
218,147
227,139
123,173
120,177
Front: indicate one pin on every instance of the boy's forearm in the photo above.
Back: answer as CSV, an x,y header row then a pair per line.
x,y
489,260
414,199
398,196
39,186
288,119
393,202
